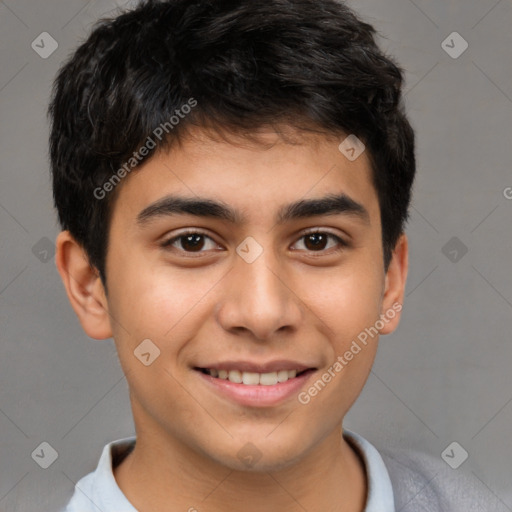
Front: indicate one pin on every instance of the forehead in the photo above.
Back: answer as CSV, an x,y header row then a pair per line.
x,y
258,174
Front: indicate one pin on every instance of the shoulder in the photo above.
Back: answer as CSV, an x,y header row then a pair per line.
x,y
98,490
424,483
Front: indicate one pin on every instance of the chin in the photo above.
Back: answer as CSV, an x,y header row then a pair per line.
x,y
260,455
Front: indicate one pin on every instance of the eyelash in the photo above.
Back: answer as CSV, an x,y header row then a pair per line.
x,y
341,243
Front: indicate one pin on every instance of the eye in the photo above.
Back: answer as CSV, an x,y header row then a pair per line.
x,y
198,242
318,241
191,241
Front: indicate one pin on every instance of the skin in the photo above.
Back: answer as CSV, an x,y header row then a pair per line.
x,y
293,302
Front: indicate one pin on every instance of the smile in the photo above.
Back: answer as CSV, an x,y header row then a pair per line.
x,y
251,389
253,378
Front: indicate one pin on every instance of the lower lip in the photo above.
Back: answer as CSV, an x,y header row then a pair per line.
x,y
257,395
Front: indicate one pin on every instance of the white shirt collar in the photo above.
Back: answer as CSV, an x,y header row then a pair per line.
x,y
380,491
98,491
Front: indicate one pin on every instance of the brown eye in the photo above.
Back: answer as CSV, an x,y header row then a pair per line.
x,y
191,242
316,241
319,241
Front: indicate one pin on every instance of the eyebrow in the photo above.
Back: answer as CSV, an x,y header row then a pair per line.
x,y
332,204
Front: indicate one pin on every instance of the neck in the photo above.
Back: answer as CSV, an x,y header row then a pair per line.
x,y
162,473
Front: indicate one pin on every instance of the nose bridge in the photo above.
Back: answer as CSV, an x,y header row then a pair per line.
x,y
261,276
257,297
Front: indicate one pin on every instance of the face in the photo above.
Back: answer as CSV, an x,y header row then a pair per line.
x,y
282,269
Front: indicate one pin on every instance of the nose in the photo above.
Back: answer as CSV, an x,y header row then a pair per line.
x,y
259,299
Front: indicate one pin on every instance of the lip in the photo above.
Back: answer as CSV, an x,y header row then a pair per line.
x,y
257,395
250,366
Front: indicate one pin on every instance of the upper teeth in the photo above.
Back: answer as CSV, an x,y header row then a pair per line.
x,y
252,378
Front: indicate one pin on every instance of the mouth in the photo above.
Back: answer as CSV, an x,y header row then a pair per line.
x,y
254,378
252,389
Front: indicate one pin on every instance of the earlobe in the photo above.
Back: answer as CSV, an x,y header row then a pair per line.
x,y
394,289
83,286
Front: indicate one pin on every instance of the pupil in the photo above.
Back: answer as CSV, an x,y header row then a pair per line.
x,y
318,240
192,242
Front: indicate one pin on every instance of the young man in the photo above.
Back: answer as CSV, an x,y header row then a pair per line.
x,y
233,179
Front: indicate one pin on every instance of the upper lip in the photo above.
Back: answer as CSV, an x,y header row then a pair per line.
x,y
268,367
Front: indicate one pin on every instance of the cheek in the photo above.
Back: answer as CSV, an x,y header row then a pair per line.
x,y
348,304
348,307
151,303
159,303
347,301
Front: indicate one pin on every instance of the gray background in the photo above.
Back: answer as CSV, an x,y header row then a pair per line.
x,y
445,374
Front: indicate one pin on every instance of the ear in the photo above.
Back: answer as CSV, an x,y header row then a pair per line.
x,y
394,287
83,286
